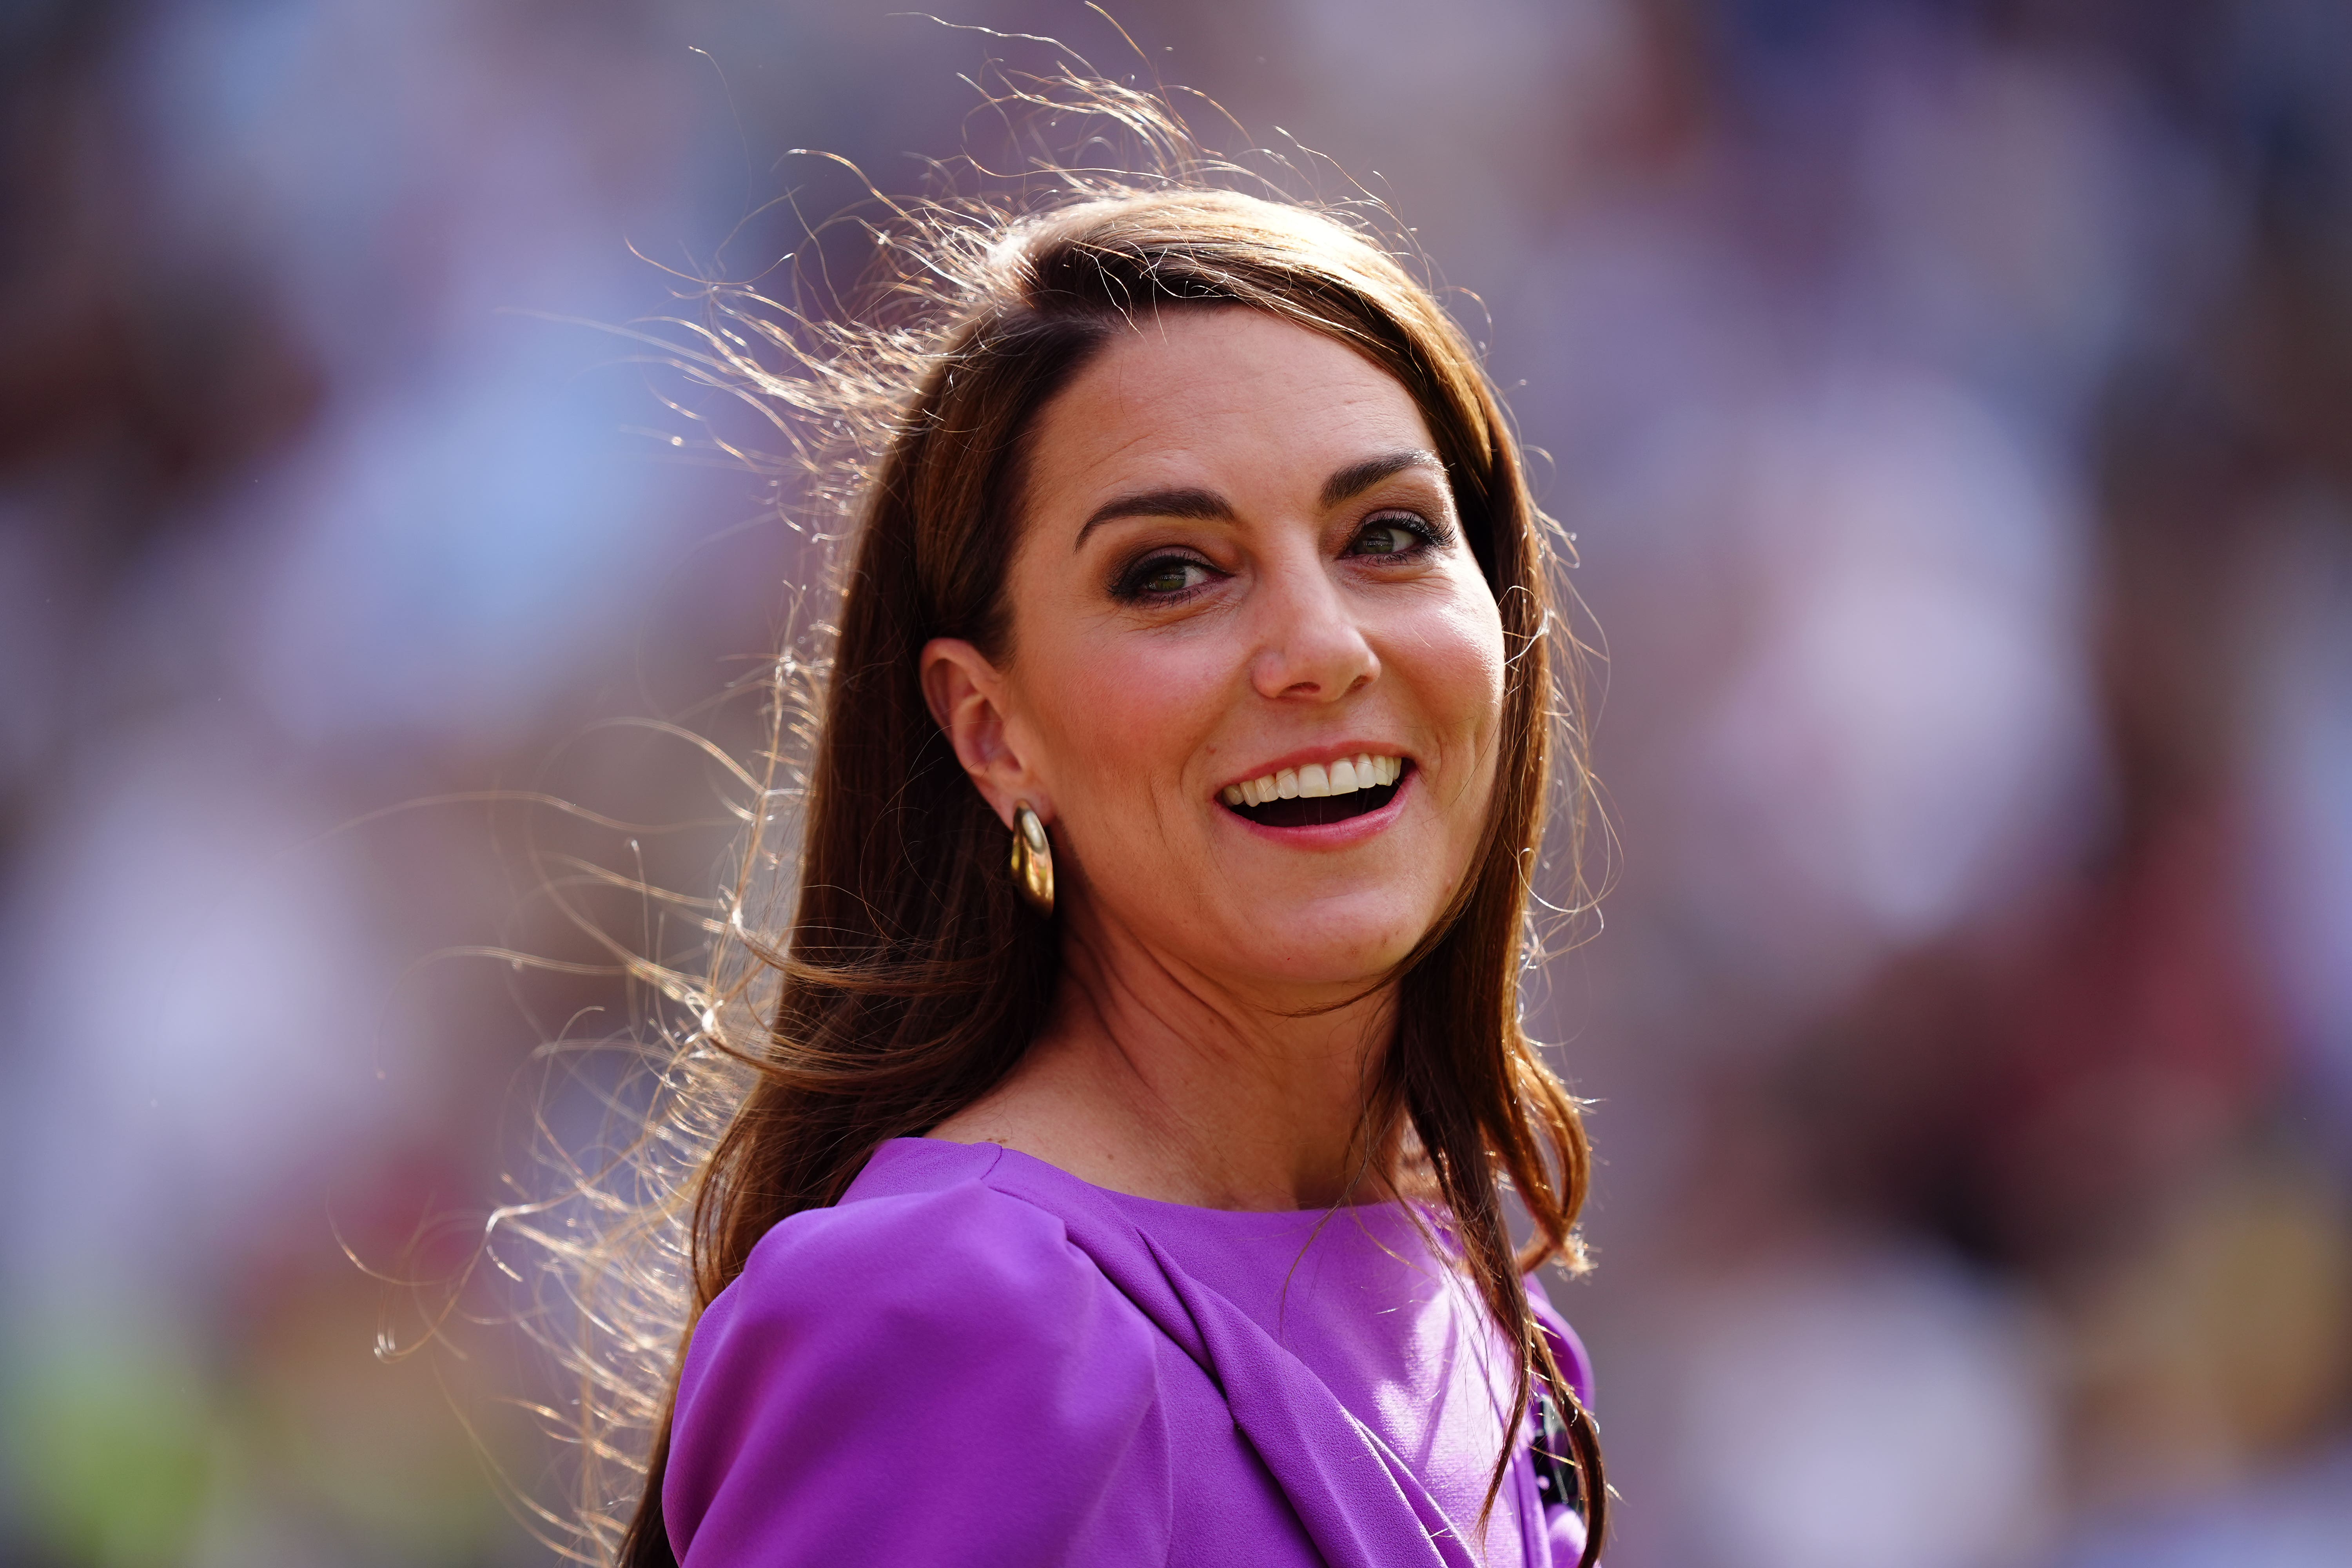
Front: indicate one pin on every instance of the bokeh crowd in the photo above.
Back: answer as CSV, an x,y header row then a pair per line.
x,y
1951,401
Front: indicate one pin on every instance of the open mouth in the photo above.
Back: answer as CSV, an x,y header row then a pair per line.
x,y
1315,796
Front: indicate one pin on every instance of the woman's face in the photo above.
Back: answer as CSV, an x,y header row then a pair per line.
x,y
1241,575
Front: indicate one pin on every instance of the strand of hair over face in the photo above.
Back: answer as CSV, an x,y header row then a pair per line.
x,y
612,1239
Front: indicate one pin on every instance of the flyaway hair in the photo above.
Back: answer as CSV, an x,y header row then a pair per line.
x,y
872,971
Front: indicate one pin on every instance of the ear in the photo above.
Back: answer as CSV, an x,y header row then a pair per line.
x,y
966,695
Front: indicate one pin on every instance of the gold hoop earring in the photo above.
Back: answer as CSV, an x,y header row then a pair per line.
x,y
1033,858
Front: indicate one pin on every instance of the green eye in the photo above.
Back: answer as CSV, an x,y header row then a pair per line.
x,y
1168,578
1162,577
1390,536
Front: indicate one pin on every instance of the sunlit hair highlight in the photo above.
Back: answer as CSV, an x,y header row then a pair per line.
x,y
872,971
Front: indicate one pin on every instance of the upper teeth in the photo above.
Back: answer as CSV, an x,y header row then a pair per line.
x,y
1345,776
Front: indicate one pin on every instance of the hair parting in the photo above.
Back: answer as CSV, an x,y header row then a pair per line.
x,y
908,976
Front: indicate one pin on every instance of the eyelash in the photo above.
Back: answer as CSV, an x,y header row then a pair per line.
x,y
1129,584
1431,535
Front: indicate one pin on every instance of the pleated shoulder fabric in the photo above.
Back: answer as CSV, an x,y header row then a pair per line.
x,y
974,1358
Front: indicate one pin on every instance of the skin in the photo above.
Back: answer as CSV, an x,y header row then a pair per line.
x,y
1220,1009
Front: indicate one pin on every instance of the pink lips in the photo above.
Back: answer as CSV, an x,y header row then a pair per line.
x,y
1342,834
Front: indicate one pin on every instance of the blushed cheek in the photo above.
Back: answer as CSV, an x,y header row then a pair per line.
x,y
1465,680
1458,659
1125,724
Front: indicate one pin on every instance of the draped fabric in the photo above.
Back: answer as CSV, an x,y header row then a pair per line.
x,y
976,1358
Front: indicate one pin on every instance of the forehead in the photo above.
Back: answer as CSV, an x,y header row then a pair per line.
x,y
1217,396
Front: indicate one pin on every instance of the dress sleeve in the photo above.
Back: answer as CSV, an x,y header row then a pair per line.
x,y
936,1378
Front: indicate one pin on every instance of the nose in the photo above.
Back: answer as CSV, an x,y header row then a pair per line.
x,y
1309,645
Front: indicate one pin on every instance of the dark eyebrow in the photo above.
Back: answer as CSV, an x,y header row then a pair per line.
x,y
1208,506
1203,506
1358,477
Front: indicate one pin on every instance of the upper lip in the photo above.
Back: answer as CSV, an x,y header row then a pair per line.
x,y
1324,755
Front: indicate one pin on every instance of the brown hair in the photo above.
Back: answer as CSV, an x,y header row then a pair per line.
x,y
911,979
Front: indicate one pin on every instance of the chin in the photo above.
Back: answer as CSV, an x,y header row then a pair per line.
x,y
1326,946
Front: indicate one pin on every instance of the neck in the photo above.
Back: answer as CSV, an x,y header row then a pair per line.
x,y
1155,1079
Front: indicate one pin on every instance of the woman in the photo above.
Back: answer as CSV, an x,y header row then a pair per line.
x,y
1137,1201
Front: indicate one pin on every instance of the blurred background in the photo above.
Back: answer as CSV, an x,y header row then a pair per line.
x,y
1953,402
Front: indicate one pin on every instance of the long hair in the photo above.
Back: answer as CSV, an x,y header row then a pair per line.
x,y
909,979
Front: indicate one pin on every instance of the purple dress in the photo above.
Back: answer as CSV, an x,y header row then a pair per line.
x,y
975,1358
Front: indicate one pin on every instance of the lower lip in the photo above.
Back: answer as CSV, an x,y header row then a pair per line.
x,y
1337,835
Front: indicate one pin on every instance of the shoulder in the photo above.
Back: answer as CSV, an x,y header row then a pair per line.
x,y
934,1247
957,1273
928,1323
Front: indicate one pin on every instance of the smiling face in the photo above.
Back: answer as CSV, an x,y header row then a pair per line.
x,y
1255,683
